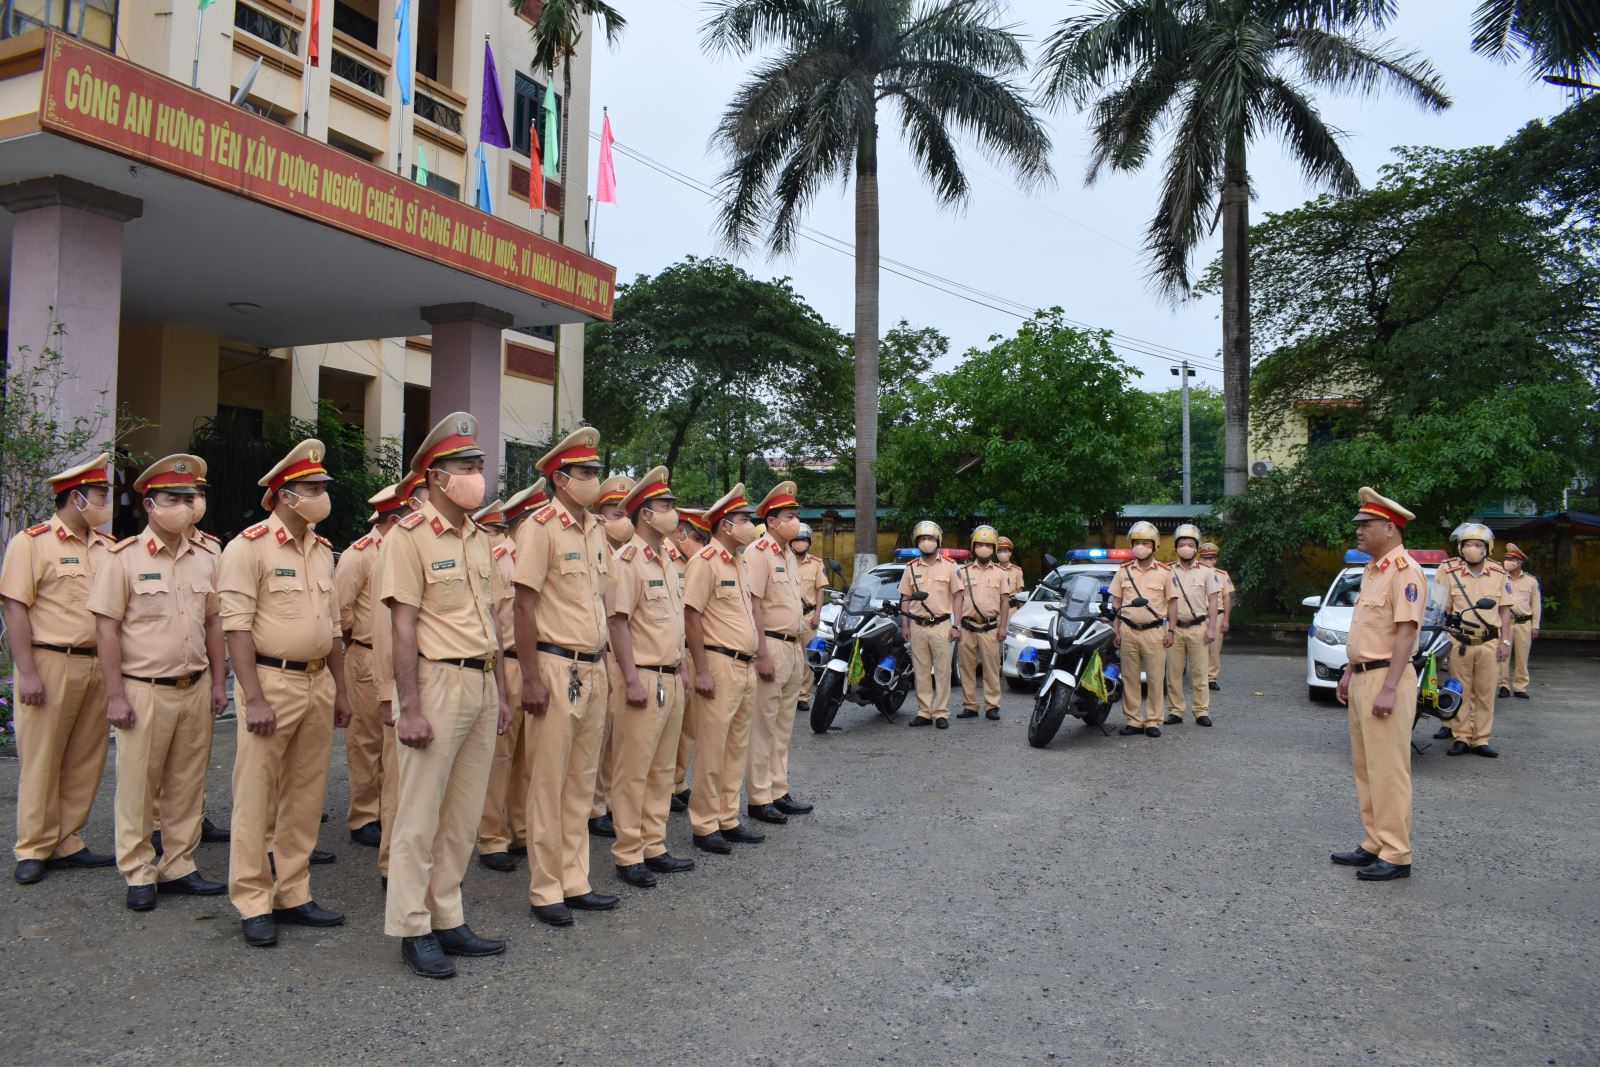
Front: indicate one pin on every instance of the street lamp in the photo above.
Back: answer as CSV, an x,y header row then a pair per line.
x,y
1184,373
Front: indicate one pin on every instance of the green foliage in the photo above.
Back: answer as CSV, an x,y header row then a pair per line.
x,y
1165,461
1560,37
1033,434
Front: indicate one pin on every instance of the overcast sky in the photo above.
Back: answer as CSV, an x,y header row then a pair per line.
x,y
1067,245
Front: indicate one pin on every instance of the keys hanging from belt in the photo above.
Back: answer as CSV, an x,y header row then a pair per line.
x,y
574,685
661,690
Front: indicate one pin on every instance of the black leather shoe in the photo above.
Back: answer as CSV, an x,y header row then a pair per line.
x,y
1441,733
192,885
593,901
1384,871
713,842
518,850
603,827
790,806
260,931
1204,720
680,801
463,942
425,956
1485,750
370,835
1214,687
1460,748
993,715
804,705
1357,857
637,875
943,724
319,857
81,858
1520,696
141,898
498,861
918,720
1152,731
742,835
967,713
212,834
767,813
553,914
1174,720
1129,730
308,914
29,872
383,880
1503,691
667,863
155,842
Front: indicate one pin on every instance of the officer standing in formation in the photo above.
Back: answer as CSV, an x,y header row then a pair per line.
x,y
813,584
1483,641
927,624
689,538
619,531
1196,603
363,739
1208,556
1380,686
1004,550
1143,633
1527,609
988,585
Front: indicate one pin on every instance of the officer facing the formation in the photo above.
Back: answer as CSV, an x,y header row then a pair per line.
x,y
61,698
1380,687
689,538
1527,608
927,624
436,573
159,636
562,561
1196,603
1144,633
1483,639
1003,552
282,627
619,531
1208,556
813,575
779,612
988,585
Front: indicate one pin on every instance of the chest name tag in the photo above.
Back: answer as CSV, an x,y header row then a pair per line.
x,y
779,570
443,564
657,581
283,572
74,559
571,556
156,577
728,582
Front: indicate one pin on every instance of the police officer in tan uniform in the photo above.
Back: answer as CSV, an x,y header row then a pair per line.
x,y
928,625
691,536
282,627
1208,556
61,698
159,638
988,584
813,587
406,497
562,562
1003,553
619,531
719,624
1144,633
1196,602
210,833
647,683
1527,610
777,605
1483,640
436,573
1380,686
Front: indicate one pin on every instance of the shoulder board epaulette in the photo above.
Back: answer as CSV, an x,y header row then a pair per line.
x,y
322,540
412,521
1125,564
1496,568
1163,566
255,531
213,538
35,531
357,546
761,545
628,552
124,543
709,552
1402,561
1219,570
500,551
545,515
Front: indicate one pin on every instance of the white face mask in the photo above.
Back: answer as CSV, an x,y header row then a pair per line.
x,y
1004,555
927,546
983,551
1186,552
1143,549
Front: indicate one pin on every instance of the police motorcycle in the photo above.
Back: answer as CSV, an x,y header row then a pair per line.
x,y
1081,675
868,662
1441,628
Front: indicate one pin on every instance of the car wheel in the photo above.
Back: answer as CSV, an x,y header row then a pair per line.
x,y
1317,694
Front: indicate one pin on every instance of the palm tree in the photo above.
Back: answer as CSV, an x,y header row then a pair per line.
x,y
1562,37
1217,75
810,116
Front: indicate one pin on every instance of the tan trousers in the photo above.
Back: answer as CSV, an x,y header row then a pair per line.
x,y
602,775
930,662
1514,670
164,753
722,743
1477,671
279,783
1214,655
644,744
1143,650
1189,649
1380,753
975,649
389,798
363,740
566,757
504,820
439,799
61,745
809,680
772,722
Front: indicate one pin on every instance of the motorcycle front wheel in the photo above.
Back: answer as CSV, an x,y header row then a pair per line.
x,y
825,700
1049,709
890,703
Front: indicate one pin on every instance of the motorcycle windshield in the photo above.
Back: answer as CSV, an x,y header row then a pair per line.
x,y
1080,598
857,606
1432,616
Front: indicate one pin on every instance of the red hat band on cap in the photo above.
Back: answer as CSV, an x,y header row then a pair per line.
x,y
390,505
1379,511
169,480
447,446
97,477
738,503
575,454
613,497
302,469
642,493
783,501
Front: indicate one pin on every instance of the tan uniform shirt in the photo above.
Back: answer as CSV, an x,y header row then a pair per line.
x,y
813,580
1393,591
937,579
162,601
1016,576
1154,583
50,571
1227,587
1197,582
352,587
987,585
564,558
773,576
504,553
715,586
1525,596
1492,583
280,591
643,586
448,575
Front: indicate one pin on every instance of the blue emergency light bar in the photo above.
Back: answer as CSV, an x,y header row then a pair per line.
x,y
1100,553
1355,555
906,553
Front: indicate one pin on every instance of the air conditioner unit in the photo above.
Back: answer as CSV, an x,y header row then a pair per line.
x,y
1262,467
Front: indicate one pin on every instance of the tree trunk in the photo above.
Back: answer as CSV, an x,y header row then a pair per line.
x,y
1235,320
866,351
681,431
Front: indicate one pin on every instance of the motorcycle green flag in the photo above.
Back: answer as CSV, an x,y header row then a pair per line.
x,y
1429,689
1094,678
858,669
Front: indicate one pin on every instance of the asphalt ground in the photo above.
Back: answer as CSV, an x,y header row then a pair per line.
x,y
957,897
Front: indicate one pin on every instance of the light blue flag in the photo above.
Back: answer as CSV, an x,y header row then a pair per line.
x,y
483,201
407,53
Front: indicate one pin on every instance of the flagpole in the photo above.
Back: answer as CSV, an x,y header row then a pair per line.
x,y
199,27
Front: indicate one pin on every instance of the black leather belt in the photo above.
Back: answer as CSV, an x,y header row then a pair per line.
x,y
1514,618
484,665
90,650
673,669
363,644
742,657
791,638
308,666
1370,665
509,653
1144,625
1190,623
935,621
182,681
807,608
971,629
568,653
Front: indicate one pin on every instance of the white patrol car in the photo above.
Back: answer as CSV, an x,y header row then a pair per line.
x,y
1326,655
1031,621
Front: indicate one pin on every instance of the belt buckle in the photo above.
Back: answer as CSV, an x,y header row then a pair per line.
x,y
488,663
183,683
313,666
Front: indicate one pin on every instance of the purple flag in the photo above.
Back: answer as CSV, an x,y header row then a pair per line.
x,y
492,122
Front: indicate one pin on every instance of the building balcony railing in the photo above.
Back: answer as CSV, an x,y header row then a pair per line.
x,y
357,73
438,112
258,23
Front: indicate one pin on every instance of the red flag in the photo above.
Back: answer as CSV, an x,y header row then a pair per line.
x,y
313,49
535,169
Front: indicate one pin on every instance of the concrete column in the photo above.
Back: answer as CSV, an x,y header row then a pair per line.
x,y
386,394
304,368
169,376
66,286
467,364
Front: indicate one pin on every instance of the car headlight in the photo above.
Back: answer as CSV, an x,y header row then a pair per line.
x,y
1016,630
1330,637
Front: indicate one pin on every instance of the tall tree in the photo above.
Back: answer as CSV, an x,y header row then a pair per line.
x,y
1561,37
810,115
1220,75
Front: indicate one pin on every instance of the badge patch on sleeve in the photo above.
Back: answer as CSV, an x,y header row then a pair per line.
x,y
1411,592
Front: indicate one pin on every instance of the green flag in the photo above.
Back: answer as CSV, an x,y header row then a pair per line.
x,y
206,3
858,670
1094,679
1430,682
422,168
552,133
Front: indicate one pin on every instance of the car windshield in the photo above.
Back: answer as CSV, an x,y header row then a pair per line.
x,y
1343,593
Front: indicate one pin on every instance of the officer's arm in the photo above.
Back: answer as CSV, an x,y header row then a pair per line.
x,y
108,647
19,629
1538,605
695,633
403,629
336,665
1405,638
216,657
